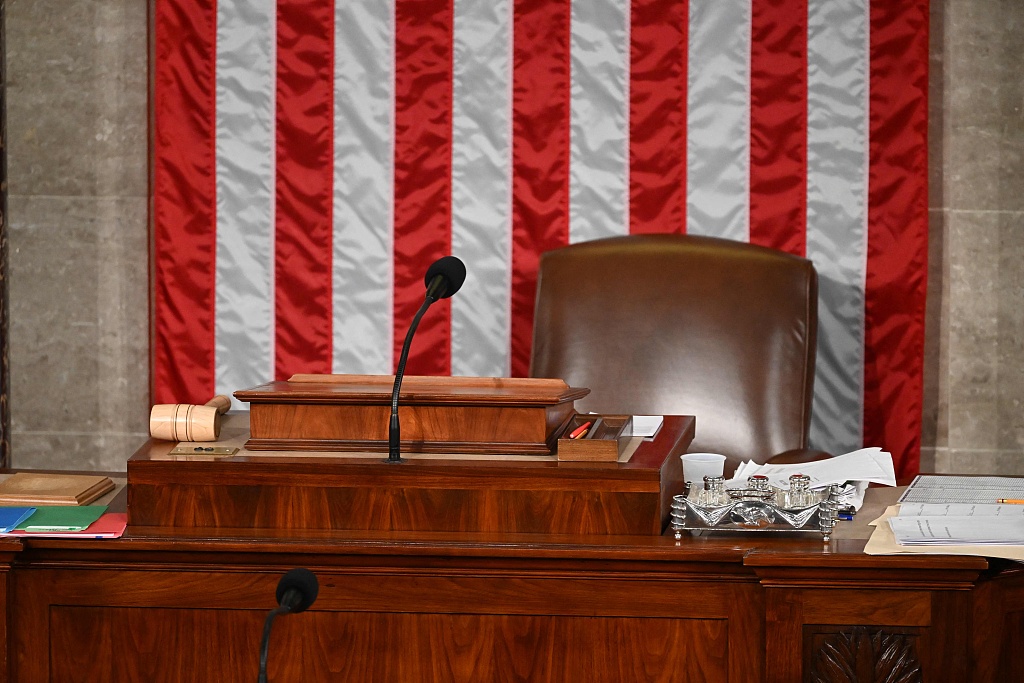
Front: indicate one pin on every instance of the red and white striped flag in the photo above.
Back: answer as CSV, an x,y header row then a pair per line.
x,y
312,157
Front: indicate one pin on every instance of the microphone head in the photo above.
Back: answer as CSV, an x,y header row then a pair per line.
x,y
303,584
453,272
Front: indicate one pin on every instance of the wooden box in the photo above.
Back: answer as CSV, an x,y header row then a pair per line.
x,y
605,438
437,414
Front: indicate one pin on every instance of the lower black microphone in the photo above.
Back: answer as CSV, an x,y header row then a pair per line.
x,y
296,591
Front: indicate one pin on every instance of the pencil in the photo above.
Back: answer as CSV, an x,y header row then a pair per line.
x,y
581,431
1010,501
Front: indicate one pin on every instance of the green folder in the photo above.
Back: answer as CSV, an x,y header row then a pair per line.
x,y
62,518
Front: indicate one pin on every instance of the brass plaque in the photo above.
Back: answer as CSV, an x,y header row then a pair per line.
x,y
202,449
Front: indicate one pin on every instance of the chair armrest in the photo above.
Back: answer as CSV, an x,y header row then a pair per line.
x,y
798,455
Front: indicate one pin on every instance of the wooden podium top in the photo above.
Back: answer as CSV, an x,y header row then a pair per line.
x,y
437,414
416,389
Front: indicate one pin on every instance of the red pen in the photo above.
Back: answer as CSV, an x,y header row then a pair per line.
x,y
580,431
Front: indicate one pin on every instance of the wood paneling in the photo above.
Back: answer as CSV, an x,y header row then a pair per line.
x,y
837,635
997,627
900,608
171,625
167,604
167,645
465,607
512,495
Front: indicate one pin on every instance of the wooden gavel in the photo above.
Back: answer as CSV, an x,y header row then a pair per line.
x,y
187,422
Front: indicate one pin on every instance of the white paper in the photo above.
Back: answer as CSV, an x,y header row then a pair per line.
x,y
957,530
933,488
961,510
958,524
647,425
869,465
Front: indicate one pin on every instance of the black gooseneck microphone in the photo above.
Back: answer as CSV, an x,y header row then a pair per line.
x,y
296,591
444,277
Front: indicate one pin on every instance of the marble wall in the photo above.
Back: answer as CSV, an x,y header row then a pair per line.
x,y
5,413
974,403
77,129
78,237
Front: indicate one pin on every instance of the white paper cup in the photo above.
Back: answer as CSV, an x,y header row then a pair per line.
x,y
696,466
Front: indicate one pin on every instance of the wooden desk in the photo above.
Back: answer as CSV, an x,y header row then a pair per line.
x,y
426,492
188,605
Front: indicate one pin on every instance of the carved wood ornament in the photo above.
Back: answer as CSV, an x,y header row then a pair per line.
x,y
866,656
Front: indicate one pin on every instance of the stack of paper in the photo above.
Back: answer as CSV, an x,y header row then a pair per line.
x,y
956,531
868,465
954,514
883,542
958,524
941,488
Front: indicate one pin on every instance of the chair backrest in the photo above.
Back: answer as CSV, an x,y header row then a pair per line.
x,y
684,325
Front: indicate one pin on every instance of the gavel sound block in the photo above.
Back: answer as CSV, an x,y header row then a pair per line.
x,y
187,422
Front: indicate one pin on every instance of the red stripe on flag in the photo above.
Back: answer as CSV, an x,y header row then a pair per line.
x,y
897,231
184,197
778,125
540,155
423,127
304,167
657,116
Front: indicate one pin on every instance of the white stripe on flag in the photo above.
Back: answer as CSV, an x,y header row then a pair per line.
x,y
718,119
599,139
481,185
244,128
363,186
837,178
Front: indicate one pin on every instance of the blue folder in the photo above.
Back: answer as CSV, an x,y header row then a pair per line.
x,y
11,517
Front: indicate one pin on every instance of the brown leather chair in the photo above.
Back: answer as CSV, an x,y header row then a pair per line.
x,y
685,325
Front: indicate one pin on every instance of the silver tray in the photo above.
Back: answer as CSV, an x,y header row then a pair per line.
x,y
761,511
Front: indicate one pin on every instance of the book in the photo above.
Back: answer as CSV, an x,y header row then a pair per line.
x,y
11,517
37,488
